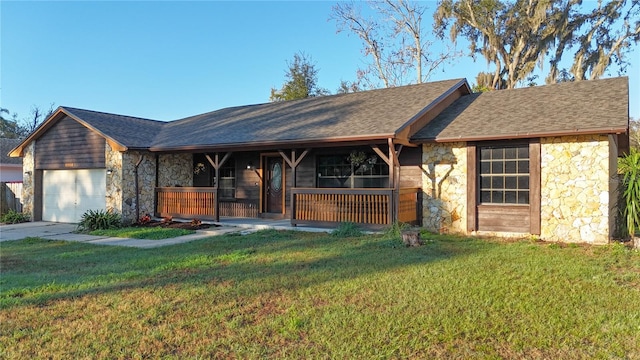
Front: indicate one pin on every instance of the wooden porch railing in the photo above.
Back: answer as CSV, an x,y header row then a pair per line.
x,y
370,207
199,202
186,202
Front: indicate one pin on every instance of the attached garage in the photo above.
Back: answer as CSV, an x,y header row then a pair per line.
x,y
67,194
70,176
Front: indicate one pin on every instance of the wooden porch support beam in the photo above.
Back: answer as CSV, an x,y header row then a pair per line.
x,y
217,163
293,163
380,153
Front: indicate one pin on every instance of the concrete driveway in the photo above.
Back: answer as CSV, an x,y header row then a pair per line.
x,y
41,229
59,231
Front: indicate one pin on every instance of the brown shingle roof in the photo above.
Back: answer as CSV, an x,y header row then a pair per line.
x,y
7,145
376,113
599,106
132,132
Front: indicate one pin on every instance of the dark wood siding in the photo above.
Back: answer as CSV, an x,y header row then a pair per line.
x,y
37,198
247,181
411,167
504,218
472,196
70,145
535,181
306,172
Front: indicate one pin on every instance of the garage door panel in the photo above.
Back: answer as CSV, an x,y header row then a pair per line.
x,y
67,194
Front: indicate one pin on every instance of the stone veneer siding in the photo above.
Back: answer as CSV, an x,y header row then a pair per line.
x,y
444,182
578,191
28,191
113,162
146,183
175,169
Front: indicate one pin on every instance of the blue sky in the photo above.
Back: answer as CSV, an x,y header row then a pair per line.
x,y
168,60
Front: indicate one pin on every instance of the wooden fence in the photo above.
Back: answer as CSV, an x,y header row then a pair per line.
x,y
369,207
10,197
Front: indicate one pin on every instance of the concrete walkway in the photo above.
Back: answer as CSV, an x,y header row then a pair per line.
x,y
62,231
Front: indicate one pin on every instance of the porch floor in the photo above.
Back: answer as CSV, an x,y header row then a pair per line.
x,y
262,224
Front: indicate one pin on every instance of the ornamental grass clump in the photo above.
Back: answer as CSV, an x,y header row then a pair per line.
x,y
629,167
14,217
99,220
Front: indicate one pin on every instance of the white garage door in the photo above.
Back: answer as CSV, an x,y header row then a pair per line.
x,y
67,194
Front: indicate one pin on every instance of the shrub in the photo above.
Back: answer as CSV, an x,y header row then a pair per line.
x,y
347,229
14,217
99,220
395,230
629,167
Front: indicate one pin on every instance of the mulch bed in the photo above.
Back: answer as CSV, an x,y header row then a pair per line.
x,y
175,225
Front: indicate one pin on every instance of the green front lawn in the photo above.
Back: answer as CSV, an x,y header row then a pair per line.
x,y
150,233
304,295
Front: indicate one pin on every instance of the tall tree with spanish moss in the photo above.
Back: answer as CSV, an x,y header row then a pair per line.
x,y
515,36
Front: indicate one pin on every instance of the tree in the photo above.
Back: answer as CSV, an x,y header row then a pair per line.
x,y
603,37
9,126
348,87
302,81
484,82
36,116
395,41
12,128
511,36
515,36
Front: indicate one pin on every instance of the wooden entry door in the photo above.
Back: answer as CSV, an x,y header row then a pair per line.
x,y
274,185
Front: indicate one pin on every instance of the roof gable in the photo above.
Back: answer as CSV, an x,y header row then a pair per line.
x,y
582,107
122,132
368,114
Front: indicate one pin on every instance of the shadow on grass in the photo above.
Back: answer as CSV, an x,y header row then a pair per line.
x,y
35,271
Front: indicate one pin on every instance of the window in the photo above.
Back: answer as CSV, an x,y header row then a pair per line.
x,y
205,175
504,174
354,170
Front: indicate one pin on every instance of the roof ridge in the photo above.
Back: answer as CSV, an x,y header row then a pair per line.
x,y
112,114
558,84
330,96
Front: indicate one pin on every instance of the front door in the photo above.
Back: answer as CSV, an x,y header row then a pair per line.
x,y
274,184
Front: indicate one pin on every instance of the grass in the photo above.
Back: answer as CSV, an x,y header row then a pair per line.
x,y
299,295
150,233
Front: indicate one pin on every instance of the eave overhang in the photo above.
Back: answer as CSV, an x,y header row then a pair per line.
x,y
524,135
60,112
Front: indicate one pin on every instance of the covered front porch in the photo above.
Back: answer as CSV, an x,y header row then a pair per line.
x,y
322,186
323,207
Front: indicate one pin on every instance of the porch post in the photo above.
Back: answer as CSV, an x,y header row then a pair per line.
x,y
293,163
216,164
216,202
394,181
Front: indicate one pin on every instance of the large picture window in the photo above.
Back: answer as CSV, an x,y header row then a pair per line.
x,y
504,174
205,175
354,170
